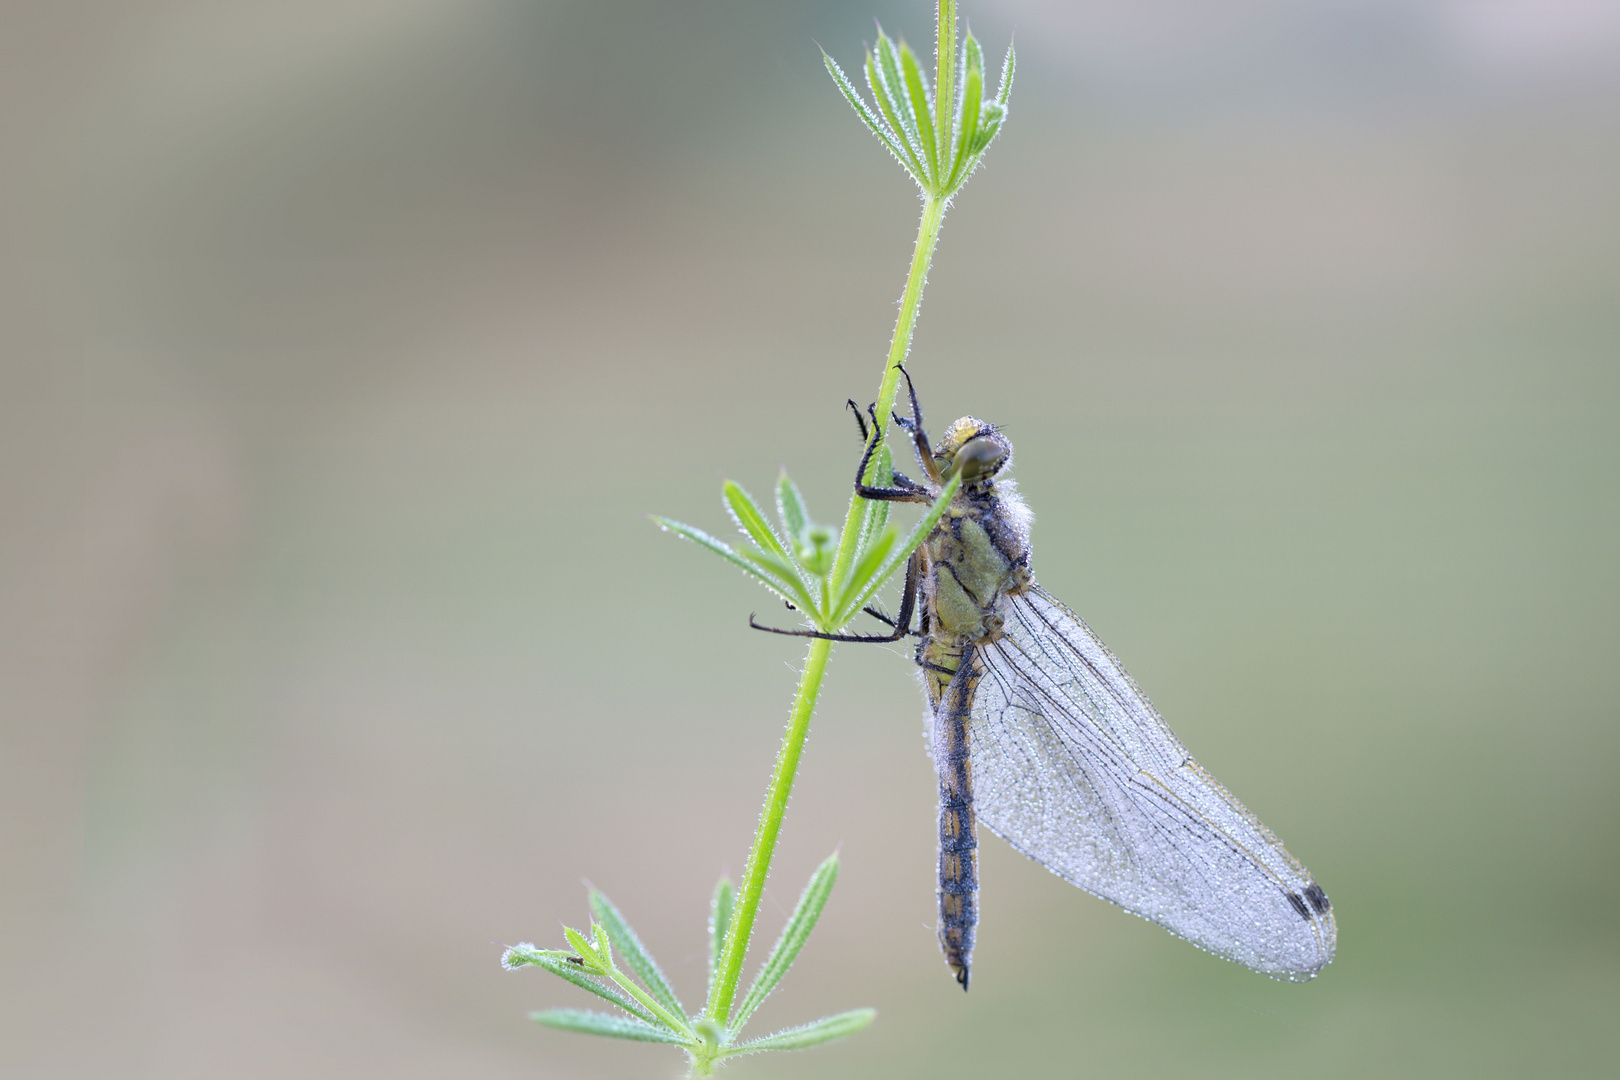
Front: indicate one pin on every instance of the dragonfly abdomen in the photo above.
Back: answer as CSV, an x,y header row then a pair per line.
x,y
958,830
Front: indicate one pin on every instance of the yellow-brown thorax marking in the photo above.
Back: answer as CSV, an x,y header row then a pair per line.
x,y
966,573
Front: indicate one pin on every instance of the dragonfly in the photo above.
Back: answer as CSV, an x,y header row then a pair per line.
x,y
1038,732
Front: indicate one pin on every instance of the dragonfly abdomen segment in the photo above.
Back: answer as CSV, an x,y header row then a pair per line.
x,y
958,831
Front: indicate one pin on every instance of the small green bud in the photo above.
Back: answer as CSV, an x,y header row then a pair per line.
x,y
710,1032
816,553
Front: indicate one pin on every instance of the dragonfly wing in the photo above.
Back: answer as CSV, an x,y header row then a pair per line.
x,y
1074,768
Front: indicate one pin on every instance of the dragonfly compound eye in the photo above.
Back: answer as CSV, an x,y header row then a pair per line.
x,y
979,458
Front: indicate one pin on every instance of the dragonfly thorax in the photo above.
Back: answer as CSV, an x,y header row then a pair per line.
x,y
979,551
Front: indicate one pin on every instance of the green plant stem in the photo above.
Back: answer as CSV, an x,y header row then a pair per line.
x,y
933,216
815,667
804,703
770,824
674,1022
945,78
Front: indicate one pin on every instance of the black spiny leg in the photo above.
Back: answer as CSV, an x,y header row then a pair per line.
x,y
901,622
886,621
919,437
859,419
903,491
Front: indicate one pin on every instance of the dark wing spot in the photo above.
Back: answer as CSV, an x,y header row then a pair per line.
x,y
1299,906
1317,897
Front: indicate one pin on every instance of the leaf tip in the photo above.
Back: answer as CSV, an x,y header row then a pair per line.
x,y
520,955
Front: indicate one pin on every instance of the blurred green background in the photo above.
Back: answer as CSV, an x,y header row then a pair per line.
x,y
346,344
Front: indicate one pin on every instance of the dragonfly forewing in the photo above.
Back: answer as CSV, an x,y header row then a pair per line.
x,y
1074,768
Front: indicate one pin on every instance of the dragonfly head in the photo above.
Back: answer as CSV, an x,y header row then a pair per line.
x,y
973,448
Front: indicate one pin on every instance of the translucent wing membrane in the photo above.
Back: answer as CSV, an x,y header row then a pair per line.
x,y
1073,768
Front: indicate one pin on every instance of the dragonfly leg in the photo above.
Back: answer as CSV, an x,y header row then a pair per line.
x,y
860,420
901,622
914,427
878,615
882,618
902,491
906,483
873,638
908,596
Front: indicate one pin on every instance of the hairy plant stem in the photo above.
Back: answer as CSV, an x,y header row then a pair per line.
x,y
944,79
770,824
933,216
804,702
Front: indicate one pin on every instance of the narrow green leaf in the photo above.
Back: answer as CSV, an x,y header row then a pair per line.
x,y
875,521
1004,92
794,935
972,65
967,124
973,137
702,539
972,55
866,565
788,590
791,509
922,106
886,106
577,975
634,953
893,88
612,1027
864,111
815,1033
751,520
990,118
995,112
719,923
583,947
773,556
918,534
785,576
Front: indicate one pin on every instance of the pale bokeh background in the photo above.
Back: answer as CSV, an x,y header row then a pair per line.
x,y
346,344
